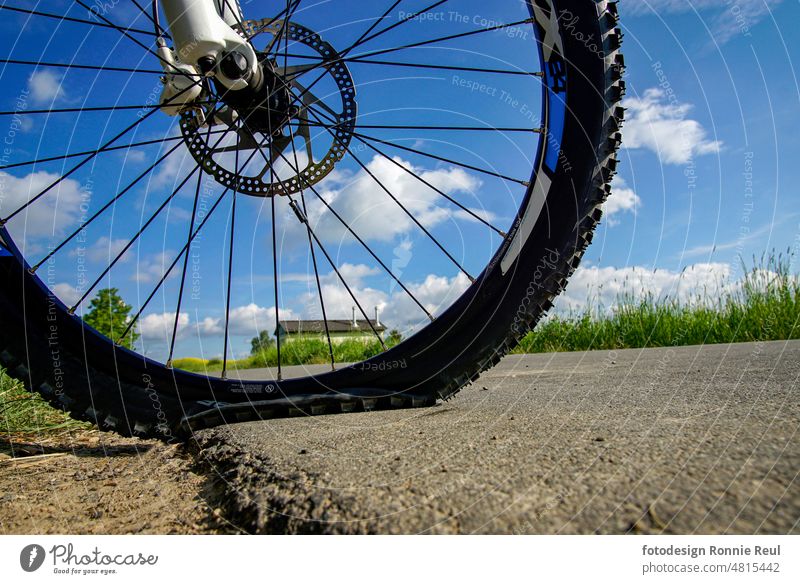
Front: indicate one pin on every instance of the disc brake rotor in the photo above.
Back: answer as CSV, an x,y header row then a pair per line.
x,y
277,147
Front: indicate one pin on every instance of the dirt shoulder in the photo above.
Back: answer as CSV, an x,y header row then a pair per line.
x,y
98,483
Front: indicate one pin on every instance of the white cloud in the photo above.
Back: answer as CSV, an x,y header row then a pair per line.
x,y
354,274
245,321
436,293
178,164
151,268
50,215
158,327
46,86
372,214
135,156
250,319
67,293
105,250
595,287
728,19
661,125
397,309
622,200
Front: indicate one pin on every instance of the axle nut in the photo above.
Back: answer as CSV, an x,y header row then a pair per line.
x,y
206,65
233,65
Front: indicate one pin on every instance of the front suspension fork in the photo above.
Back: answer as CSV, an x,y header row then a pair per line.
x,y
205,44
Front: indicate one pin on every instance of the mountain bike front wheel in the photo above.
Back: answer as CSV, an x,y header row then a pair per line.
x,y
446,164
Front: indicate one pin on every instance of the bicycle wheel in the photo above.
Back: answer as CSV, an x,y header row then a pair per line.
x,y
444,164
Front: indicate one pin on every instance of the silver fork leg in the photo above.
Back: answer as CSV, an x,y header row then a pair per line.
x,y
204,39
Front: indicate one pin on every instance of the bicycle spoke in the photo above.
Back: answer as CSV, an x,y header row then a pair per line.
x,y
445,67
303,219
159,31
364,37
141,230
186,260
347,226
358,238
319,284
109,149
313,111
136,236
75,168
289,11
230,263
386,190
343,54
183,253
72,110
408,18
433,188
72,19
276,281
445,38
437,128
310,239
524,183
76,66
102,210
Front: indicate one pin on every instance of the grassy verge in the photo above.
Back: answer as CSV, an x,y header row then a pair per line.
x,y
295,352
23,414
764,307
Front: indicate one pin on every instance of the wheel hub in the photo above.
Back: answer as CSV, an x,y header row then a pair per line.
x,y
264,108
271,115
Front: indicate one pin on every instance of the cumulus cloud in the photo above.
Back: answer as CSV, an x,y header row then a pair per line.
x,y
363,205
728,18
661,125
49,216
104,249
172,169
67,293
622,200
397,310
246,321
152,267
46,86
135,156
158,327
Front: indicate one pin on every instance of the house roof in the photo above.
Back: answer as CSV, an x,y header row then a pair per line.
x,y
334,326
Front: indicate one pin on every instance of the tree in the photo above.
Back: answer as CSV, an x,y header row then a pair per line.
x,y
394,338
261,343
109,315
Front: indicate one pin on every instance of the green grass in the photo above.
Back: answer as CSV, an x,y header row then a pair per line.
x,y
766,307
25,413
295,352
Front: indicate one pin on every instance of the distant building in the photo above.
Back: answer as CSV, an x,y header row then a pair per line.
x,y
340,330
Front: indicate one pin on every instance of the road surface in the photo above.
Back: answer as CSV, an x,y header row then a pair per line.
x,y
675,440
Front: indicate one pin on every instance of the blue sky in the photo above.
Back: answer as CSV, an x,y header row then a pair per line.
x,y
708,172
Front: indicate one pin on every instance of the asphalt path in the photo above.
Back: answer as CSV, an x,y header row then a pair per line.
x,y
673,440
